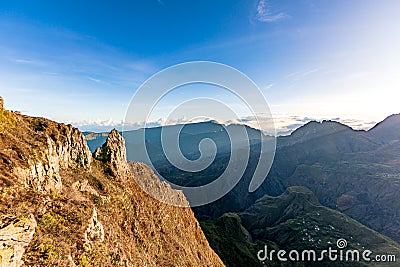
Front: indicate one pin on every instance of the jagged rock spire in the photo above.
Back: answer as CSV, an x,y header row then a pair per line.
x,y
114,152
1,103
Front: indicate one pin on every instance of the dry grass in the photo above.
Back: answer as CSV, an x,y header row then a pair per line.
x,y
139,230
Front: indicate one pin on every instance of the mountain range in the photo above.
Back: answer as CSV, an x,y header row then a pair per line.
x,y
70,199
343,173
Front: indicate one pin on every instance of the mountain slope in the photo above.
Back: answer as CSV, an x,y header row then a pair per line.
x,y
67,208
350,171
355,172
386,131
293,220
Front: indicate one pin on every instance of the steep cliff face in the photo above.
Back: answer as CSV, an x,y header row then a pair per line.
x,y
70,151
34,150
69,209
113,151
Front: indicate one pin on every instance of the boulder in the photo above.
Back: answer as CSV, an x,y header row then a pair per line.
x,y
15,235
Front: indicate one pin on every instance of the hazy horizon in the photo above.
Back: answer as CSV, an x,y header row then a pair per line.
x,y
287,130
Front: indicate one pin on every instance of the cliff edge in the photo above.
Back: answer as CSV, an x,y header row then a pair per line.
x,y
61,206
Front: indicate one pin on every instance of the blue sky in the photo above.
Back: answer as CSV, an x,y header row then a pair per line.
x,y
81,61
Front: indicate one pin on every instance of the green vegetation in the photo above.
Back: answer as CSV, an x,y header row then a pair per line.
x,y
293,220
231,241
7,120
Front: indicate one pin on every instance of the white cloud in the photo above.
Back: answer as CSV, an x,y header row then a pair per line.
x,y
25,61
94,79
284,124
264,13
302,74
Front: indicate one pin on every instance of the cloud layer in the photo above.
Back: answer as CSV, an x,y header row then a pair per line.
x,y
284,125
265,14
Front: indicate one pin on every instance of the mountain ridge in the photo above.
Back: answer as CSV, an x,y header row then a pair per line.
x,y
293,220
61,206
356,172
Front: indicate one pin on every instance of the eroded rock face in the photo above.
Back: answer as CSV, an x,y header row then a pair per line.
x,y
1,103
94,231
114,152
84,186
71,151
94,220
15,236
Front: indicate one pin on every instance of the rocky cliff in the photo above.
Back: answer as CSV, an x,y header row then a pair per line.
x,y
113,151
62,207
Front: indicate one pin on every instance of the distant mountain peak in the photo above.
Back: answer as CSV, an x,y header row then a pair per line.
x,y
387,130
315,129
388,122
327,123
213,121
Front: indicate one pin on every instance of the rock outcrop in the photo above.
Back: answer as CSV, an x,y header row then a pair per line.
x,y
89,211
84,186
15,235
35,150
94,231
113,151
68,150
